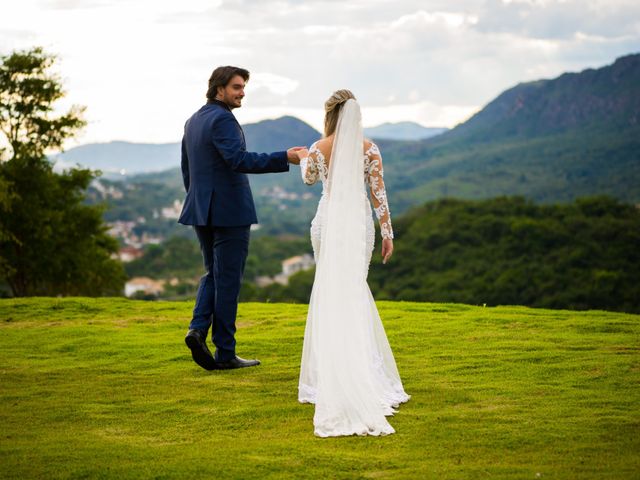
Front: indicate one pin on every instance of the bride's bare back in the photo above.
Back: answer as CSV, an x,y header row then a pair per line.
x,y
325,145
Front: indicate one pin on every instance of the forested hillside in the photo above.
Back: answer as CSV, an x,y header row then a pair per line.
x,y
549,140
509,251
506,251
501,251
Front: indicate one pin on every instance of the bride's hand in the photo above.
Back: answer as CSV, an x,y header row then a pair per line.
x,y
387,249
302,153
293,155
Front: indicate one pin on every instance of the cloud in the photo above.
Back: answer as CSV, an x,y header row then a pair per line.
x,y
270,89
554,19
141,66
74,4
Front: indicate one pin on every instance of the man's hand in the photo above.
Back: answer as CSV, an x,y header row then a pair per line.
x,y
292,155
387,249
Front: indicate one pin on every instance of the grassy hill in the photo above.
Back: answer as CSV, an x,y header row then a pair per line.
x,y
105,388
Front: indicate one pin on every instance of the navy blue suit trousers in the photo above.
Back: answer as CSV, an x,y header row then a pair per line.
x,y
224,250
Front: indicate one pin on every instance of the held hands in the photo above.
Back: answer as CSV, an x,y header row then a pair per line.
x,y
293,156
302,153
387,249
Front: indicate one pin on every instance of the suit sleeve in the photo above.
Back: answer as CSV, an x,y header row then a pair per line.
x,y
229,141
184,164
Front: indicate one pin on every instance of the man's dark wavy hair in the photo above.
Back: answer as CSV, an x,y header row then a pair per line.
x,y
221,76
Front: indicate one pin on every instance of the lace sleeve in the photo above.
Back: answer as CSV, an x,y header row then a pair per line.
x,y
311,165
373,176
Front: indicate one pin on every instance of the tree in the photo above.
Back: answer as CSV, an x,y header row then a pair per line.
x,y
51,243
511,251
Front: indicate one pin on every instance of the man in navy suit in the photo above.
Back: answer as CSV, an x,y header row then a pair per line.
x,y
220,207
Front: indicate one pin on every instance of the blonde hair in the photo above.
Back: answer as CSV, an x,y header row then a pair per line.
x,y
332,109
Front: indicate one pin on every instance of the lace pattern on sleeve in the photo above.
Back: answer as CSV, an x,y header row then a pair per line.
x,y
374,177
313,167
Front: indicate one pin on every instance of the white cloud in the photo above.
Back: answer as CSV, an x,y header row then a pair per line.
x,y
276,84
141,66
450,19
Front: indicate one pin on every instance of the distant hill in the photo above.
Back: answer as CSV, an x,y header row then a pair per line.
x,y
135,158
266,136
549,140
402,131
606,99
279,134
123,157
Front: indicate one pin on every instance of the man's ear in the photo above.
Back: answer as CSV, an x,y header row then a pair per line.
x,y
220,91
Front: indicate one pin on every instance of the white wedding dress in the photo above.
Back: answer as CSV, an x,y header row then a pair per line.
x,y
348,370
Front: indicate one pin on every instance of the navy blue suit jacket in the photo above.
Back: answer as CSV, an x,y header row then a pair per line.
x,y
214,167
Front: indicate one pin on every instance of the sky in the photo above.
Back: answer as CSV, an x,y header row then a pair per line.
x,y
141,66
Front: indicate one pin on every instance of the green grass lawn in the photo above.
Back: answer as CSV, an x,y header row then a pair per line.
x,y
106,388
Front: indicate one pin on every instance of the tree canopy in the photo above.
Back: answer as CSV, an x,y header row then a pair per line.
x,y
511,251
51,242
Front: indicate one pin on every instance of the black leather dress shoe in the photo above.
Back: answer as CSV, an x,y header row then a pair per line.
x,y
236,362
200,353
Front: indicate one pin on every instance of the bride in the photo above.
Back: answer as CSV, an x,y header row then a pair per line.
x,y
347,370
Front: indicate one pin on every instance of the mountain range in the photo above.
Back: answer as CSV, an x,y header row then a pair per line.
x,y
136,158
402,131
548,140
119,158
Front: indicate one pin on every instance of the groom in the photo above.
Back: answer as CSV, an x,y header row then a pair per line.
x,y
220,207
